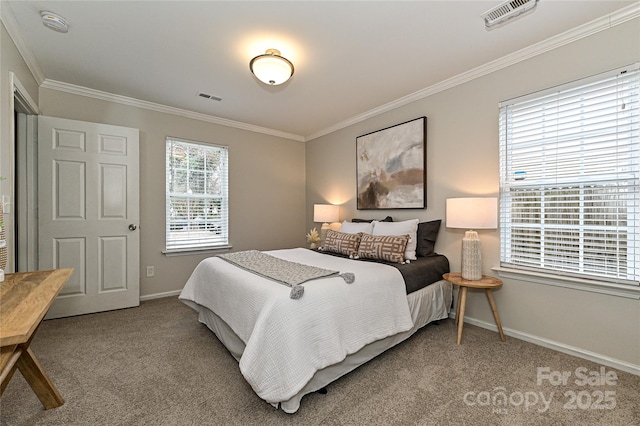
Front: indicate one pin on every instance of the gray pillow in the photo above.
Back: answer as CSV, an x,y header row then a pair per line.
x,y
427,235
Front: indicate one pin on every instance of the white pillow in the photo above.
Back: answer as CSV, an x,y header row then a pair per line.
x,y
355,227
400,228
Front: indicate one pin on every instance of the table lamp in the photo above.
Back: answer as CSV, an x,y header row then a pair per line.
x,y
325,213
471,214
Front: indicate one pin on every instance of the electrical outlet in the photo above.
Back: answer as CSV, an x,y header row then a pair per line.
x,y
151,271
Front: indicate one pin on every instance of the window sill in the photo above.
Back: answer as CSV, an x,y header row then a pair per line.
x,y
195,250
619,290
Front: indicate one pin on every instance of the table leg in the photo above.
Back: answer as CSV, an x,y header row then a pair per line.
x,y
463,303
38,380
458,304
9,356
494,309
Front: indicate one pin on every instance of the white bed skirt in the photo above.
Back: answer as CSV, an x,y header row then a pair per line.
x,y
429,304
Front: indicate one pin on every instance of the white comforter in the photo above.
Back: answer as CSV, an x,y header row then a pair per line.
x,y
288,340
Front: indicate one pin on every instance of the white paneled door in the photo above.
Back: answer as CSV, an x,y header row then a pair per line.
x,y
88,213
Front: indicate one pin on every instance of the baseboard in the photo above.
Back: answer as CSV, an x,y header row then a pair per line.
x,y
560,347
160,295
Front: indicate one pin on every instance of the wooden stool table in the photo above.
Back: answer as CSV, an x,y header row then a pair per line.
x,y
487,283
25,298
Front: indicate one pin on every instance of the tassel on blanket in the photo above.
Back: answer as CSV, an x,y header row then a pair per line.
x,y
296,291
349,277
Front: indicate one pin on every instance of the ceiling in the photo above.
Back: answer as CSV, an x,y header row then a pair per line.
x,y
350,57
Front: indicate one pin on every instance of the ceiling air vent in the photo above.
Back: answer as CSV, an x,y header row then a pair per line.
x,y
507,10
208,96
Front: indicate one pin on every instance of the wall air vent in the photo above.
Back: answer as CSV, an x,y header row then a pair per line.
x,y
506,11
208,96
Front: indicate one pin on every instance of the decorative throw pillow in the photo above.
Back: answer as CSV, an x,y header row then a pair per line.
x,y
386,219
427,235
355,227
400,228
342,243
383,247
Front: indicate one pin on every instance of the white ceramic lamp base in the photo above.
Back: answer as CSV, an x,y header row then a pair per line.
x,y
323,233
471,256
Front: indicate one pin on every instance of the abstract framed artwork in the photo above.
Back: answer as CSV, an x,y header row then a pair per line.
x,y
391,167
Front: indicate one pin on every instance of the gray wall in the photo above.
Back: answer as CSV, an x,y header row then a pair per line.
x,y
269,207
266,182
462,160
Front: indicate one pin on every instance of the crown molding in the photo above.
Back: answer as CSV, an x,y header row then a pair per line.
x,y
606,22
8,19
10,23
590,28
124,100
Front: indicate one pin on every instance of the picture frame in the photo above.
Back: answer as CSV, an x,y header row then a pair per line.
x,y
391,167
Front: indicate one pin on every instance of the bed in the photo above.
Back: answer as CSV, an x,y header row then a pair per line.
x,y
289,347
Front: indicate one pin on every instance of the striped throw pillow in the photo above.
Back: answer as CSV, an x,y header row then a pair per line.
x,y
383,247
342,243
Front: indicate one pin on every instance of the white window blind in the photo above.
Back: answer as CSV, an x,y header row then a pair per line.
x,y
569,179
196,192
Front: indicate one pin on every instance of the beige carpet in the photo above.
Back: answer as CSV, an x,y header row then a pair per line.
x,y
156,365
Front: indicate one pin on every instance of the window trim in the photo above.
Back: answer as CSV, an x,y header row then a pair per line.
x,y
593,286
548,277
197,249
581,81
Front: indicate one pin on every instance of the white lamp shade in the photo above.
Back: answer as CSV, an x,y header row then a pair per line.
x,y
472,213
271,68
326,213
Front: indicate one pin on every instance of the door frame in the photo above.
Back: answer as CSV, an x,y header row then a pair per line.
x,y
24,214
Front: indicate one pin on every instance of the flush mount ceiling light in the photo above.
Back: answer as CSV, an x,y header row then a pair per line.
x,y
54,21
271,68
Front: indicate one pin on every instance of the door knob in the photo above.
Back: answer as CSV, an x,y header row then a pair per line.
x,y
132,227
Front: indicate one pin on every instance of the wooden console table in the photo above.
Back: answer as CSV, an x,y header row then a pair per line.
x,y
25,298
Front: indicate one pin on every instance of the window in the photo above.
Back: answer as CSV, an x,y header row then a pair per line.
x,y
197,199
569,179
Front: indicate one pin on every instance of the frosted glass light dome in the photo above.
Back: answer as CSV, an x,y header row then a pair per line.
x,y
271,68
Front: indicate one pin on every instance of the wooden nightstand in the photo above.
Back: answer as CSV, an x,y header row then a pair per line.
x,y
487,283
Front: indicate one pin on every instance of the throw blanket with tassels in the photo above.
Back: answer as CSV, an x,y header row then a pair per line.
x,y
283,271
